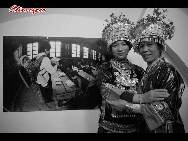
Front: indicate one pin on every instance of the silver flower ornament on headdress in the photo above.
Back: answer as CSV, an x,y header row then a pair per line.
x,y
118,28
153,28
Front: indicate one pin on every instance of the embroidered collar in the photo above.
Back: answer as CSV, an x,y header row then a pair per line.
x,y
154,64
121,64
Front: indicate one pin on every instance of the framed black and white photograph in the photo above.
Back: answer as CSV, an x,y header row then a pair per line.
x,y
76,59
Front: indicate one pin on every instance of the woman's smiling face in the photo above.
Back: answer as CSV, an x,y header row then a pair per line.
x,y
120,49
149,51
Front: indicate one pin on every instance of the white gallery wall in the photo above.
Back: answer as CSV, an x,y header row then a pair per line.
x,y
72,25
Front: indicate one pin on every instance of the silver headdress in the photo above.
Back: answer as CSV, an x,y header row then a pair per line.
x,y
153,28
118,28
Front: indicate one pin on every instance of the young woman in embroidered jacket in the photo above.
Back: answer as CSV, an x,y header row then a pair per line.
x,y
119,79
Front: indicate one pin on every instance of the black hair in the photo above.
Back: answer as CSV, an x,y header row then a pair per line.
x,y
44,45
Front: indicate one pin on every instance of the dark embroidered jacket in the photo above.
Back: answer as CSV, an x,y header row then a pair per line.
x,y
163,116
124,75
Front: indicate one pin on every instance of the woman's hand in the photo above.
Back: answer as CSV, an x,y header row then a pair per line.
x,y
124,105
117,90
111,92
114,89
154,95
117,104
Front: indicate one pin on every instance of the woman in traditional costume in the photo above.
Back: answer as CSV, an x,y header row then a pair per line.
x,y
150,36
